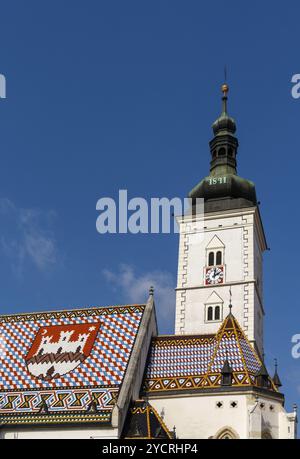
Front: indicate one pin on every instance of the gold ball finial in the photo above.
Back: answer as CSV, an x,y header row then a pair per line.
x,y
225,89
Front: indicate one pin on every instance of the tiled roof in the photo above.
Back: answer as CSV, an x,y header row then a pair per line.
x,y
195,362
62,365
143,421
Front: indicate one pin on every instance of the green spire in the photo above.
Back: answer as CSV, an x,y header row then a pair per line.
x,y
223,184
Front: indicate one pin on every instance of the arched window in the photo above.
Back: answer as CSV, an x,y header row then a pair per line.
x,y
226,434
219,258
213,312
211,259
222,152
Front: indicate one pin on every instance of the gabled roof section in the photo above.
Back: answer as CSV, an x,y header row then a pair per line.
x,y
143,421
196,362
65,366
233,346
214,298
215,243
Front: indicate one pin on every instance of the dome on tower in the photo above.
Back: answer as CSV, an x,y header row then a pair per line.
x,y
223,187
230,186
224,123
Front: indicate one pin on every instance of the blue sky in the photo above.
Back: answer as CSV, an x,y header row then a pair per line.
x,y
122,94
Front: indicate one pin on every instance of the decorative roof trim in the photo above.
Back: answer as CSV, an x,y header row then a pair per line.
x,y
57,401
73,313
54,388
168,340
103,416
203,382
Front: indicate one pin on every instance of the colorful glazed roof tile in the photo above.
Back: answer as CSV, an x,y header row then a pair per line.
x,y
65,366
143,421
195,362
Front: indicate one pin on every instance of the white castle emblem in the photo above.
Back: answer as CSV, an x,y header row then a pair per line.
x,y
57,350
64,342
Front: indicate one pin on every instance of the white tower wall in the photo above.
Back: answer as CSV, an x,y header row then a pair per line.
x,y
239,235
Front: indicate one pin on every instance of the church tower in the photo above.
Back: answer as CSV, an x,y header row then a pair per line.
x,y
220,249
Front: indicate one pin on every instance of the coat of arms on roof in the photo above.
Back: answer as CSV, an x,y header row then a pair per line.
x,y
59,349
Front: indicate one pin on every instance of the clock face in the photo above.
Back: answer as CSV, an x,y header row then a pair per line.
x,y
214,275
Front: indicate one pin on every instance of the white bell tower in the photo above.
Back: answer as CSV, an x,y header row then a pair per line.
x,y
220,250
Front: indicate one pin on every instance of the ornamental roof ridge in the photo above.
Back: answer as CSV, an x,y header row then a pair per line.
x,y
182,337
68,312
230,324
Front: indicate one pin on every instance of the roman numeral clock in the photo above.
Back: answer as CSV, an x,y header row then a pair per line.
x,y
214,275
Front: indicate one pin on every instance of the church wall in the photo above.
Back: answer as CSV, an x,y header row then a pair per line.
x,y
250,418
195,311
270,420
190,416
287,425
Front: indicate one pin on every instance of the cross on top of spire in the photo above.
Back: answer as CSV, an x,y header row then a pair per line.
x,y
225,73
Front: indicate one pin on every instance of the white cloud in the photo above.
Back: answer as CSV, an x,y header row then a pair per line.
x,y
135,288
41,249
26,236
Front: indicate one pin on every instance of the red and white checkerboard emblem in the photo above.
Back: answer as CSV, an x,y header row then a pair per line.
x,y
59,349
